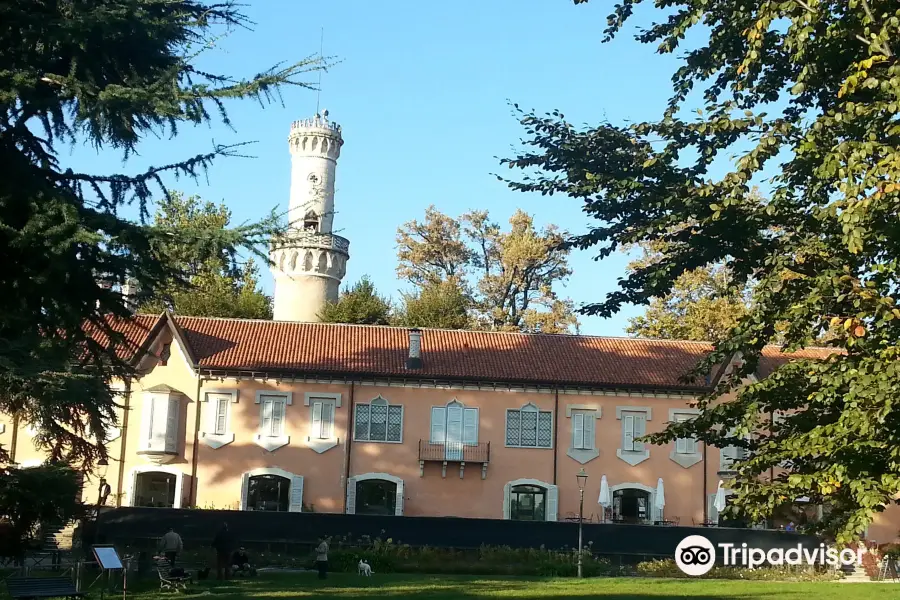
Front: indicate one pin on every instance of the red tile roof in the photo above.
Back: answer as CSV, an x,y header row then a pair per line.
x,y
366,350
134,331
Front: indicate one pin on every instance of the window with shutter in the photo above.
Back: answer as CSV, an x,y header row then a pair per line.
x,y
438,425
317,420
172,421
221,415
470,426
578,426
628,433
634,427
272,417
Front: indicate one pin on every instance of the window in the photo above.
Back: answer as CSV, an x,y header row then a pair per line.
x,y
311,221
454,426
322,409
217,431
527,503
729,456
154,489
378,421
272,416
583,431
685,451
582,422
634,426
631,505
160,422
529,427
269,493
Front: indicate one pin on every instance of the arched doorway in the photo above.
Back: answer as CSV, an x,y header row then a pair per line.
x,y
530,500
271,489
633,503
375,494
156,489
269,493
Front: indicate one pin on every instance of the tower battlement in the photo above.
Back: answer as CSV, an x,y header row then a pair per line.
x,y
316,137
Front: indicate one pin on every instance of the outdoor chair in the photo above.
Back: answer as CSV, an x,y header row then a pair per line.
x,y
172,582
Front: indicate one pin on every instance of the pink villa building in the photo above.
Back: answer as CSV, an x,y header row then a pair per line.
x,y
283,416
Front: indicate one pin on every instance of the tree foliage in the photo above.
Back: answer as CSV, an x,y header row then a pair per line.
x,y
361,304
441,305
701,306
211,282
105,73
808,90
510,275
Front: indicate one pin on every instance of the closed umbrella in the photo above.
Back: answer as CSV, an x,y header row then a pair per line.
x,y
605,499
719,503
660,502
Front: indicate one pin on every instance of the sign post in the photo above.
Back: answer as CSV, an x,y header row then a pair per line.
x,y
108,559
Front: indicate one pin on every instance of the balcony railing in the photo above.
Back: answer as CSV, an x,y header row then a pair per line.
x,y
454,452
295,238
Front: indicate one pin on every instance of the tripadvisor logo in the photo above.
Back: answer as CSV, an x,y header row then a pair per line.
x,y
695,555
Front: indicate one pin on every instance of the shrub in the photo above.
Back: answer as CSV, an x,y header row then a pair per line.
x,y
668,568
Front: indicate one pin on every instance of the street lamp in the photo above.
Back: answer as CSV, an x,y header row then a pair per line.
x,y
582,480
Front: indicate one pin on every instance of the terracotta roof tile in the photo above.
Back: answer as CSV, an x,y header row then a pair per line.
x,y
134,330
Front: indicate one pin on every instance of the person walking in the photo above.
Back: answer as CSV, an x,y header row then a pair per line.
x,y
170,544
322,557
223,544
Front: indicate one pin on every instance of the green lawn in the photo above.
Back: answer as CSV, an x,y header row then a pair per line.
x,y
419,587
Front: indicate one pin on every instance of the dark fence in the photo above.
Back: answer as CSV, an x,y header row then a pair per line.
x,y
256,529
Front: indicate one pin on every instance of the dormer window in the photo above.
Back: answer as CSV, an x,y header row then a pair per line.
x,y
311,222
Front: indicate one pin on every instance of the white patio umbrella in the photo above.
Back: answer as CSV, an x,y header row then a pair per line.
x,y
660,502
719,503
605,499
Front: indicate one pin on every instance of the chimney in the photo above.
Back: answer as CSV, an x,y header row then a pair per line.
x,y
415,349
130,292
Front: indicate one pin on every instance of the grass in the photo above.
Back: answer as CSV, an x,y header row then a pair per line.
x,y
340,586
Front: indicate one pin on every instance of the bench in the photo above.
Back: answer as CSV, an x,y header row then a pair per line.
x,y
32,588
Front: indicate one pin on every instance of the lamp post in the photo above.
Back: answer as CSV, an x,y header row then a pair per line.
x,y
582,480
102,493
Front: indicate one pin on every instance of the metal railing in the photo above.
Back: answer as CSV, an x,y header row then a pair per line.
x,y
454,452
295,238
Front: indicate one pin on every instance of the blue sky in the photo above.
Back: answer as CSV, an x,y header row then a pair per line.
x,y
422,94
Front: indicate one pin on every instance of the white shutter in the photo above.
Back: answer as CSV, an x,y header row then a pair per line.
x,y
317,420
628,432
438,425
398,510
221,415
278,408
146,422
552,502
328,420
132,495
296,494
265,418
640,428
245,490
351,496
470,426
172,422
506,490
681,446
588,432
454,425
578,425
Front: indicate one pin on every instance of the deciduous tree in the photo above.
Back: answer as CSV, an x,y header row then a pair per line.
x,y
511,276
106,74
808,91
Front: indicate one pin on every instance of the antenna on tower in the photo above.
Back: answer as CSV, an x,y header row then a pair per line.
x,y
321,60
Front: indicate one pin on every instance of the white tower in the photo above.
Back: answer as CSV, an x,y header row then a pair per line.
x,y
309,260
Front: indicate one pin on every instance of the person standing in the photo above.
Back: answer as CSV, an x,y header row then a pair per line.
x,y
223,544
322,557
171,545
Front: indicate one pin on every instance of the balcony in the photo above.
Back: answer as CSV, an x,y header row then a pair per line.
x,y
454,452
298,238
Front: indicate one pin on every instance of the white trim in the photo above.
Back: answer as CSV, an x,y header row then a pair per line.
x,y
214,440
351,490
685,460
30,463
528,407
589,412
316,443
652,511
552,499
379,399
320,395
633,457
272,443
179,481
2,427
293,478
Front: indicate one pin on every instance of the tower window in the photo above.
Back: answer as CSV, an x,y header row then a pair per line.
x,y
311,222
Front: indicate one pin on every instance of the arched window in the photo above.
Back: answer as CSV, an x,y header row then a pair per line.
x,y
311,221
269,493
527,503
155,489
376,497
631,505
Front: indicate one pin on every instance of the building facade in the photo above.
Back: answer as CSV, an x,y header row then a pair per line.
x,y
261,415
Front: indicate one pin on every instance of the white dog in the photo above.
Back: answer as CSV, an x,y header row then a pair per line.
x,y
363,568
